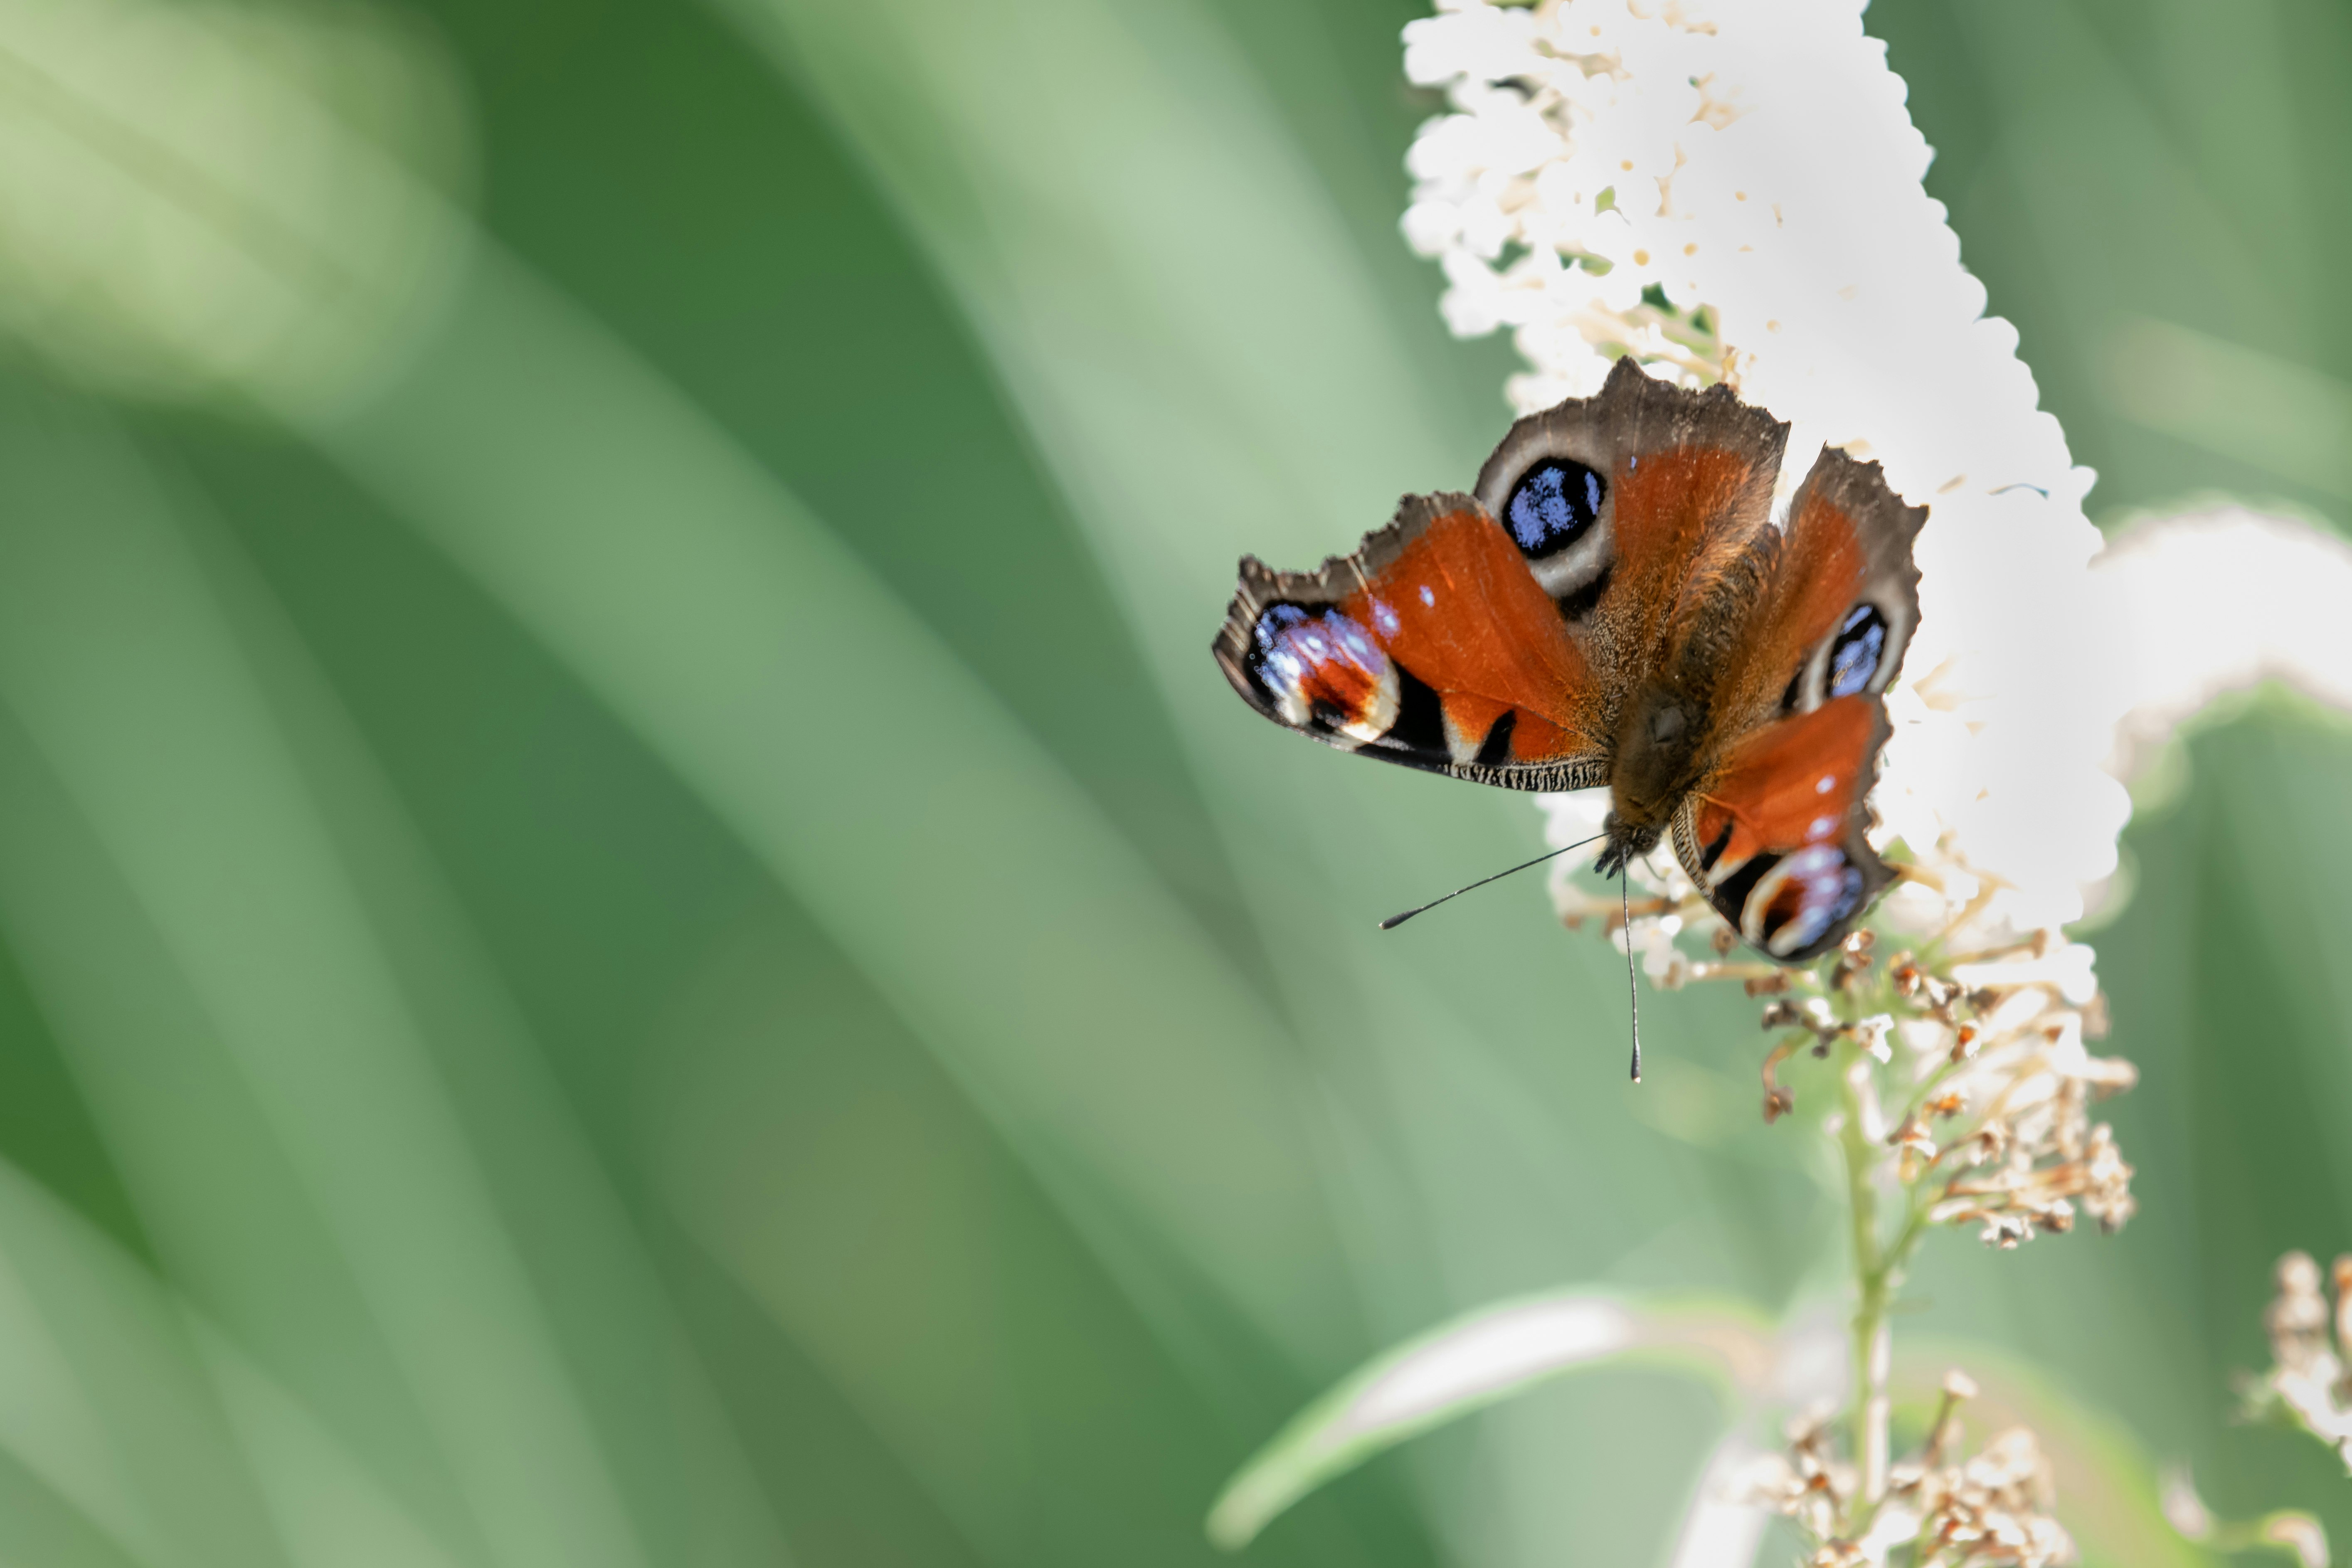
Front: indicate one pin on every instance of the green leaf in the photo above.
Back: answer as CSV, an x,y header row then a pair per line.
x,y
1480,1358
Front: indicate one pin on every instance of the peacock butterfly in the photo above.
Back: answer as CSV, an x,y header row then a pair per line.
x,y
1616,605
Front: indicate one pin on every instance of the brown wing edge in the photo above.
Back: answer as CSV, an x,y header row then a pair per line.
x,y
1887,529
1876,874
1339,577
1634,413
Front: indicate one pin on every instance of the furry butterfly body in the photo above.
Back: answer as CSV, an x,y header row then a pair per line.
x,y
1615,605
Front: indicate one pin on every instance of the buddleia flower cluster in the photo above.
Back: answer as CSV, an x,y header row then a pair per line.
x,y
1732,194
2307,1386
1939,1510
2309,1383
1968,1071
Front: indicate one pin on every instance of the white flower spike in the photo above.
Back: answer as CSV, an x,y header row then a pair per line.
x,y
1733,192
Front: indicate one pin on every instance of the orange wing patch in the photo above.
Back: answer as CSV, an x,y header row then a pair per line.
x,y
1677,509
1821,570
1459,609
1844,578
1791,784
1781,846
1668,501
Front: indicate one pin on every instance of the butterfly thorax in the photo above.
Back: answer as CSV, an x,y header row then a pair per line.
x,y
1656,764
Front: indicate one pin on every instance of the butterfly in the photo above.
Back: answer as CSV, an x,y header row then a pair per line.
x,y
1615,605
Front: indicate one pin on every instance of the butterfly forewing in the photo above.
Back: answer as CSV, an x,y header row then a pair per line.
x,y
1657,472
1432,645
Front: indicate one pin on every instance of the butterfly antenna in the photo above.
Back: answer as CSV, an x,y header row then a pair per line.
x,y
1395,921
1633,991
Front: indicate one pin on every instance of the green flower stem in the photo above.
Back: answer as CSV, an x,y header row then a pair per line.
x,y
1874,1283
1878,1263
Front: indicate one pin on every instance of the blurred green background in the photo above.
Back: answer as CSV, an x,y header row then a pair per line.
x,y
634,926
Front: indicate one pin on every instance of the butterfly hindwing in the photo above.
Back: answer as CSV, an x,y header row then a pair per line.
x,y
1779,837
1432,645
